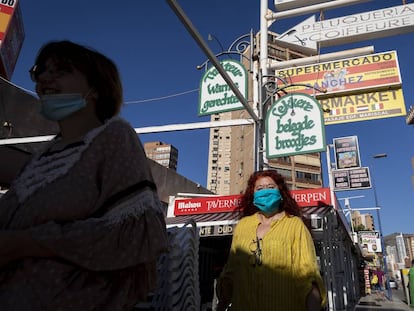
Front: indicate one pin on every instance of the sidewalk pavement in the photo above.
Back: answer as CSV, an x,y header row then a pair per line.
x,y
376,302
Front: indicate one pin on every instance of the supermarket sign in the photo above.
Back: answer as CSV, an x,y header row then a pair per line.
x,y
374,71
370,105
352,89
231,203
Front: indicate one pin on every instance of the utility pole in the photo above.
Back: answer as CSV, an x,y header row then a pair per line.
x,y
347,205
377,205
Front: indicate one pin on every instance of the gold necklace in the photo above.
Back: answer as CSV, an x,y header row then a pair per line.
x,y
266,220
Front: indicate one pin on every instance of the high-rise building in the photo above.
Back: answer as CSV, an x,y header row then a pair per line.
x,y
162,153
231,150
404,246
365,220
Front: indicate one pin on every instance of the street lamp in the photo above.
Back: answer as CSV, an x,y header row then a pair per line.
x,y
384,256
213,37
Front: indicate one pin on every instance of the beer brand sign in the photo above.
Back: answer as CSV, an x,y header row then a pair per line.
x,y
231,203
216,95
294,125
214,204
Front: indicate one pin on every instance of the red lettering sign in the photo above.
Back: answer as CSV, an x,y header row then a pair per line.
x,y
230,203
205,205
312,197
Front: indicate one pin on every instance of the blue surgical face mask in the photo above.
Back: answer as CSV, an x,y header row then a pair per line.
x,y
267,200
56,107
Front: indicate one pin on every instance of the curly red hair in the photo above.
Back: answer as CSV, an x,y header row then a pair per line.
x,y
288,204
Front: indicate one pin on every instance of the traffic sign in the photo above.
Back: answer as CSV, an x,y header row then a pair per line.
x,y
351,28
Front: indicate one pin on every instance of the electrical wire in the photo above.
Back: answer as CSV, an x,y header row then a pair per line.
x,y
159,98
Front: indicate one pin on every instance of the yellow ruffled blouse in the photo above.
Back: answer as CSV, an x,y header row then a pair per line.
x,y
286,273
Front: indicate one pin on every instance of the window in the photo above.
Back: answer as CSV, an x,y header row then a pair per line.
x,y
285,173
163,149
308,176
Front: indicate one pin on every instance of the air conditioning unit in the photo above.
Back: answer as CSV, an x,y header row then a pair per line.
x,y
316,222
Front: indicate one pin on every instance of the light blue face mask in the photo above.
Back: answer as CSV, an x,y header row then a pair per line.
x,y
56,107
267,200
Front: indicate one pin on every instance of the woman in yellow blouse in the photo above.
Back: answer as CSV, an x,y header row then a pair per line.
x,y
272,262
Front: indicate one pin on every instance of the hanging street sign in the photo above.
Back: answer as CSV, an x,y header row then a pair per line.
x,y
351,28
294,125
216,95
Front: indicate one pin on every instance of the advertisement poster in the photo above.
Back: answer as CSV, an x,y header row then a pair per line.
x,y
346,151
370,241
11,36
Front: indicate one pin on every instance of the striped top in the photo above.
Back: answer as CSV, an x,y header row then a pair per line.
x,y
286,273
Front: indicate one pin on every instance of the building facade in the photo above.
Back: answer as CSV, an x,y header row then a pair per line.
x,y
232,149
162,153
400,246
365,220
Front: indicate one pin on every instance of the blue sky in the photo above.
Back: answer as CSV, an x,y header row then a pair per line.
x,y
157,58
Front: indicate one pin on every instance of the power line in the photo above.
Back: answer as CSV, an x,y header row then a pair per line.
x,y
128,102
160,98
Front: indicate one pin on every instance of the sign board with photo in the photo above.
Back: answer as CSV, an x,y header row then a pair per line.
x,y
370,240
347,152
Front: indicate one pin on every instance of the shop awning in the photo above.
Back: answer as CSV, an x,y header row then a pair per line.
x,y
217,224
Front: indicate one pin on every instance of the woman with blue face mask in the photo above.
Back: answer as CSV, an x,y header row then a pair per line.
x,y
272,262
81,227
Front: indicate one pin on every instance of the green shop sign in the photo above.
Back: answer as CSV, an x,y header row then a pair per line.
x,y
215,94
294,125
